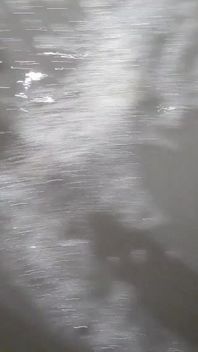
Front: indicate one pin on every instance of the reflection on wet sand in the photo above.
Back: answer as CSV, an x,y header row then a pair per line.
x,y
165,286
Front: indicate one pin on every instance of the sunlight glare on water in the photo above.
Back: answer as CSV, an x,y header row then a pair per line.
x,y
98,147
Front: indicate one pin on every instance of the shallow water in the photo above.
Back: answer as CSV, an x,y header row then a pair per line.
x,y
99,172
